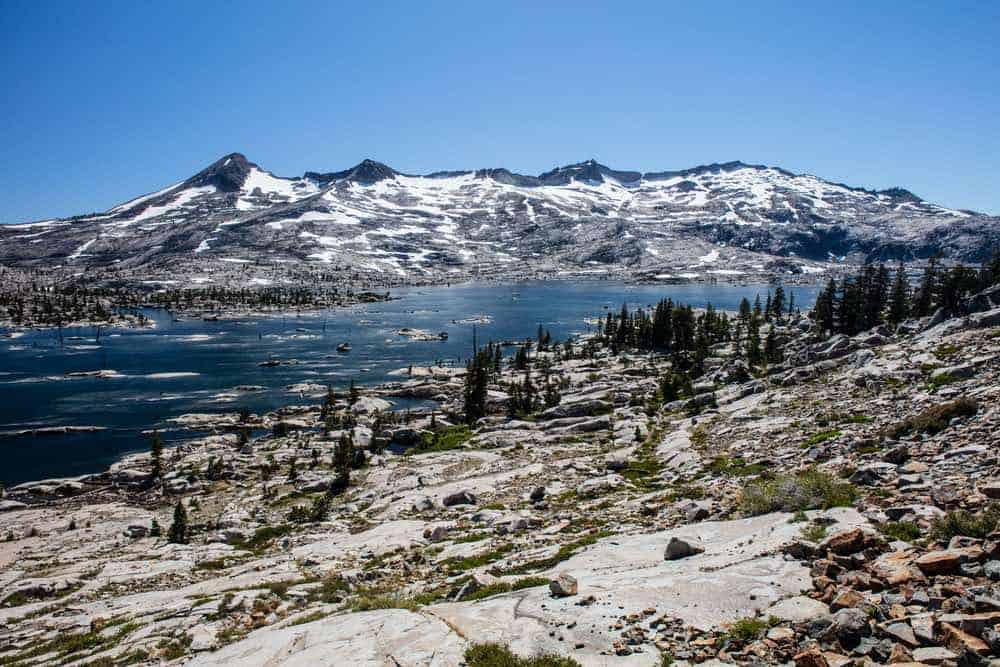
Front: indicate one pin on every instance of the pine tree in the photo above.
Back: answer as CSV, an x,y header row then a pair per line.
x,y
926,294
352,393
778,303
178,532
154,528
156,456
899,297
772,351
476,385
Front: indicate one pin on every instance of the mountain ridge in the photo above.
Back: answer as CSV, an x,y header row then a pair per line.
x,y
585,216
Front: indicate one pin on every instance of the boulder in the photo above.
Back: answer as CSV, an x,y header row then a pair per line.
x,y
939,562
682,547
367,405
798,609
464,497
847,542
584,408
850,626
563,585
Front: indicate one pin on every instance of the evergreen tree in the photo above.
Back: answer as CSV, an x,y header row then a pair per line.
x,y
926,294
772,351
823,311
344,456
899,297
178,532
156,456
778,303
476,385
352,393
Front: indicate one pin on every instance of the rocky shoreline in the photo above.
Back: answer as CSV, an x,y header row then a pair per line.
x,y
833,509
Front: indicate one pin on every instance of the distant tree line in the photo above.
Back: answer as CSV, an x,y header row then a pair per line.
x,y
877,295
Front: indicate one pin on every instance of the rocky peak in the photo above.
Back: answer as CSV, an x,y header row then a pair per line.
x,y
228,173
900,195
365,172
588,171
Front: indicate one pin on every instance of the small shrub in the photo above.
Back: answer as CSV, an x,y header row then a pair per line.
x,y
934,419
507,587
821,437
807,490
747,629
384,601
495,655
901,530
966,524
453,437
814,532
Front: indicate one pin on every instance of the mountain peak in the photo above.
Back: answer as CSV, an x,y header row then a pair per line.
x,y
366,172
228,173
590,171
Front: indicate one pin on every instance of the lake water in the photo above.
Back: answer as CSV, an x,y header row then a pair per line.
x,y
195,366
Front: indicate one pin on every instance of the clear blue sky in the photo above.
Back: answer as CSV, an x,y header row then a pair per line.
x,y
106,100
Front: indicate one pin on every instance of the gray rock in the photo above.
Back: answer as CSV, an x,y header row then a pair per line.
x,y
563,585
136,531
933,655
799,609
682,547
463,497
902,632
850,626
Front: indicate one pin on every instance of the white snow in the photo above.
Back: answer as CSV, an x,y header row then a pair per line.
x,y
79,251
182,199
710,257
138,200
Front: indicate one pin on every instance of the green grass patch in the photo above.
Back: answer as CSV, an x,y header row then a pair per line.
x,y
473,537
453,437
934,419
565,552
263,537
460,564
814,532
802,491
495,655
748,629
821,437
901,530
734,467
966,524
507,587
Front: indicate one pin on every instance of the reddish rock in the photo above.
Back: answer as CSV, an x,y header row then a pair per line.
x,y
845,542
959,641
939,562
811,658
847,598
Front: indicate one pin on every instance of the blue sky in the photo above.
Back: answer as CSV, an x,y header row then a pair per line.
x,y
107,100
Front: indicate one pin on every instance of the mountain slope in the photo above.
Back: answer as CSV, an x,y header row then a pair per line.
x,y
726,219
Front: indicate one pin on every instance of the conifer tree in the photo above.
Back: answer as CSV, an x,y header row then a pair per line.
x,y
178,532
899,297
925,296
156,456
476,385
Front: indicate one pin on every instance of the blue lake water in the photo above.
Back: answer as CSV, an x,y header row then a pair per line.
x,y
190,365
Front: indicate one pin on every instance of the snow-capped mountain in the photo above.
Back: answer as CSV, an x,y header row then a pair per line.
x,y
720,218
